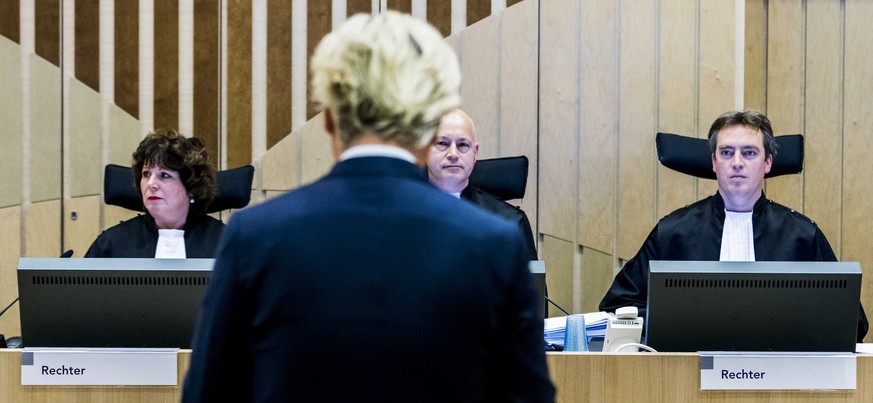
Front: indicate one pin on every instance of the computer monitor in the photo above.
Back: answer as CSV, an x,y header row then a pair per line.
x,y
753,306
111,302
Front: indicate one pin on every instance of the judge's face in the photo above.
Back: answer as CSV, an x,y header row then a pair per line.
x,y
739,162
452,157
164,196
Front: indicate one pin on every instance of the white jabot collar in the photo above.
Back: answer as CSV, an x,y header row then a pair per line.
x,y
377,150
737,237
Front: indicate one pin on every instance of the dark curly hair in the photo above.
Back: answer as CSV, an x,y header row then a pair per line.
x,y
187,156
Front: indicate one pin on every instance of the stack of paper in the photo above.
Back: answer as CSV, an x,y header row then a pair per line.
x,y
595,326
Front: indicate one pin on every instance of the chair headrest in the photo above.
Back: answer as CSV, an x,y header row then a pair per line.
x,y
504,178
234,188
692,156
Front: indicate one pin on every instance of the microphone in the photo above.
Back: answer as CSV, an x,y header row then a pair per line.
x,y
8,306
556,305
68,253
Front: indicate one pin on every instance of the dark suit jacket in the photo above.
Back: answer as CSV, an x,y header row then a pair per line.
x,y
369,285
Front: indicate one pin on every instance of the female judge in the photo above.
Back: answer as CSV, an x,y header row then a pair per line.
x,y
176,182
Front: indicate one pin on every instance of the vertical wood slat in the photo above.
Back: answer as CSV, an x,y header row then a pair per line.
x,y
358,6
239,83
477,10
823,117
403,6
785,98
127,56
717,65
518,96
206,75
677,94
857,141
637,122
11,114
480,68
439,14
279,86
595,212
318,24
10,10
557,117
47,41
87,47
755,60
166,42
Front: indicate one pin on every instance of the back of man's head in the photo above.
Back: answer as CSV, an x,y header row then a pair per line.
x,y
390,75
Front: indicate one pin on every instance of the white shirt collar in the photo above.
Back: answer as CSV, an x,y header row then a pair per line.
x,y
377,150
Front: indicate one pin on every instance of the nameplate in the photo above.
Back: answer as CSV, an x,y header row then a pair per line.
x,y
777,371
99,366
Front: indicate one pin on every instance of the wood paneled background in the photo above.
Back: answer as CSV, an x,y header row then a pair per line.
x,y
579,86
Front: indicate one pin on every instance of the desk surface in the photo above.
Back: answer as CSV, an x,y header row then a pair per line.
x,y
579,377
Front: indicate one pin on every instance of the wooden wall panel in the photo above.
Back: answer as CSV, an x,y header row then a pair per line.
x,y
558,255
598,85
358,6
755,60
857,126
166,97
477,10
637,122
10,251
45,126
47,39
280,165
127,56
518,96
84,149
439,14
677,95
81,232
279,87
823,119
716,90
785,81
10,10
480,88
125,136
87,42
596,270
318,24
510,3
239,83
42,233
206,75
403,6
10,130
558,125
316,157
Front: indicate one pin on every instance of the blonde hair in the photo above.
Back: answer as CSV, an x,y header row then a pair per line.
x,y
391,75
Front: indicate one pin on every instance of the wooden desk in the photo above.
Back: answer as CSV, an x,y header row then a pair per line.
x,y
579,377
12,391
669,378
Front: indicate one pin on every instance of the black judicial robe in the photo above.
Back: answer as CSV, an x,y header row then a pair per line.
x,y
138,238
512,213
694,233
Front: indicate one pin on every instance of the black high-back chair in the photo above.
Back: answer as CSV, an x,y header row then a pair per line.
x,y
692,156
234,188
504,178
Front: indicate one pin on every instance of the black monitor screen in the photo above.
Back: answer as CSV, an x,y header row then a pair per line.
x,y
753,306
111,302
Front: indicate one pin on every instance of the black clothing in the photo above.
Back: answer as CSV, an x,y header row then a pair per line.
x,y
694,233
138,238
512,213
